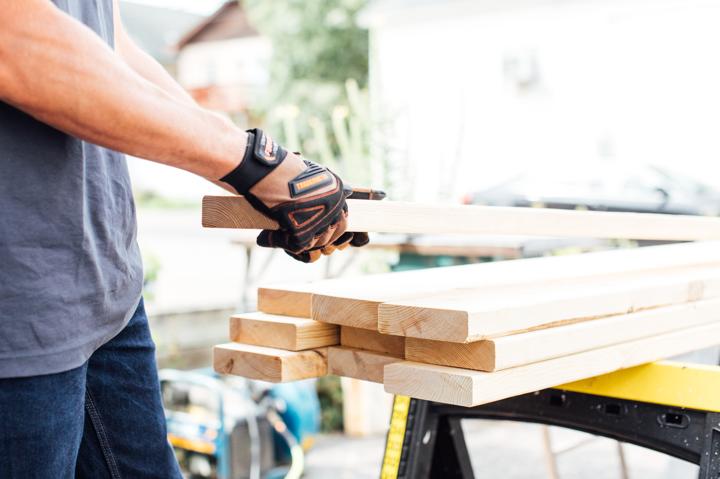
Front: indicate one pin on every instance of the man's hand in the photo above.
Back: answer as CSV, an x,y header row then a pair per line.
x,y
306,199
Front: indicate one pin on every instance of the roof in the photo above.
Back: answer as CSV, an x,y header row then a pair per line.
x,y
229,21
156,29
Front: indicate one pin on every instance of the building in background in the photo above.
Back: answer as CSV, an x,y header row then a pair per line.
x,y
157,29
504,86
223,61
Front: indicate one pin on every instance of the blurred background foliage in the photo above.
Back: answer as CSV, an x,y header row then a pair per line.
x,y
318,102
317,42
331,403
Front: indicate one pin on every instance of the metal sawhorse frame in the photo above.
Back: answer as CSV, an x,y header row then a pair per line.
x,y
668,407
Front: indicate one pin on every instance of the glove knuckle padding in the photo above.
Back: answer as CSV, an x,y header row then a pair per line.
x,y
305,199
312,217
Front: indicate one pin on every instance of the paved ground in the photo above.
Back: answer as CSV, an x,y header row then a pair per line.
x,y
504,450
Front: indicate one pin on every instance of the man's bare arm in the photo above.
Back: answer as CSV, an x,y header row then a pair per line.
x,y
57,70
143,64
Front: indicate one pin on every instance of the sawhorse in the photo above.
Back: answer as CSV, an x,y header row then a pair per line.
x,y
668,407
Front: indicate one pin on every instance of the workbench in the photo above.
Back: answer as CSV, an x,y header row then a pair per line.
x,y
672,408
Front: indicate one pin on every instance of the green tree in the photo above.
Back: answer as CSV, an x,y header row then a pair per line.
x,y
315,41
316,101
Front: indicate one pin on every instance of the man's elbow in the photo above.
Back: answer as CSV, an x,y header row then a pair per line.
x,y
28,29
15,86
10,91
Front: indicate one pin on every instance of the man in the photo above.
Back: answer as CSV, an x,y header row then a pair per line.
x,y
79,393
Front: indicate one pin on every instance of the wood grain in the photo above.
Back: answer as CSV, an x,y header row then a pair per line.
x,y
355,301
372,341
233,212
269,364
358,363
521,349
286,300
284,332
432,218
467,387
474,314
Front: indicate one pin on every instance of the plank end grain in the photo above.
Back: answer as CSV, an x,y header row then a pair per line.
x,y
480,355
284,302
284,332
372,341
430,382
428,323
233,212
358,363
355,313
269,364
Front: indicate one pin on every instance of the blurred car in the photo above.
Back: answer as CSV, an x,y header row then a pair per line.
x,y
604,187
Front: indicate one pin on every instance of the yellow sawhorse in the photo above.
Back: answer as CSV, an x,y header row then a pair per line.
x,y
669,407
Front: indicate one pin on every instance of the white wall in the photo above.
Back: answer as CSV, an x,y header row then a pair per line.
x,y
227,62
633,80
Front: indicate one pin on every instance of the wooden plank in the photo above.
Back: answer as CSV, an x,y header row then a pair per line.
x,y
355,301
346,312
520,349
475,314
372,341
358,363
432,218
269,364
286,300
466,387
233,212
284,332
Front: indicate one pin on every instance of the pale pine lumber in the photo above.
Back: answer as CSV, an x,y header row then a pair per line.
x,y
346,312
355,301
372,341
466,387
358,363
286,300
233,212
431,218
284,332
526,348
474,314
269,364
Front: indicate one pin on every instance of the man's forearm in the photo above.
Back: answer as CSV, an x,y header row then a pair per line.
x,y
151,70
60,72
143,64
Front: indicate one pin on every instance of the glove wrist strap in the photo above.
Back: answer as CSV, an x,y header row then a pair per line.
x,y
262,155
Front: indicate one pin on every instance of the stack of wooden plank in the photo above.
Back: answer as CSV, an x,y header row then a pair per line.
x,y
469,335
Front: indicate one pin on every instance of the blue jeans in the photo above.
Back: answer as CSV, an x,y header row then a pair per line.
x,y
101,420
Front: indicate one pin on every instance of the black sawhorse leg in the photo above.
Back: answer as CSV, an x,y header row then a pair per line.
x,y
425,440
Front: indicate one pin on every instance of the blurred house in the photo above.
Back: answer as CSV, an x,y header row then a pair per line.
x,y
223,61
157,29
503,86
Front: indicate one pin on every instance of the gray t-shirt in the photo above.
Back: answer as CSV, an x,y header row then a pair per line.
x,y
70,269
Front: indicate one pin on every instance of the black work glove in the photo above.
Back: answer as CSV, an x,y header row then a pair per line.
x,y
306,199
